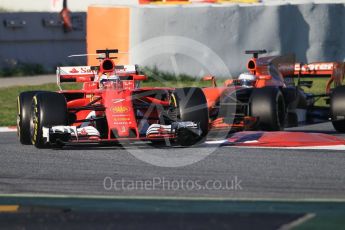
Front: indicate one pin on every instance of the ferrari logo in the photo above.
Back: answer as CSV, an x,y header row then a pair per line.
x,y
120,109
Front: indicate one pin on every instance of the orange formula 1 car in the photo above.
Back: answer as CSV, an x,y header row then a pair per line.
x,y
111,107
272,94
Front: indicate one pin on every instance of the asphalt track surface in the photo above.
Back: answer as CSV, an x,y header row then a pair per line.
x,y
260,173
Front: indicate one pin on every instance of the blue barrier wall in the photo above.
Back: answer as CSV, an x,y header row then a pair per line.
x,y
40,38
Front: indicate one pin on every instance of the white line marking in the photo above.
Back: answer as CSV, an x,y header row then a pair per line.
x,y
215,142
297,200
329,147
218,142
323,147
297,222
7,129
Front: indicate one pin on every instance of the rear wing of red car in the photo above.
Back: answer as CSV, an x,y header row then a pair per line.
x,y
75,74
88,73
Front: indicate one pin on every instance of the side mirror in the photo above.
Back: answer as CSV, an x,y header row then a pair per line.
x,y
210,78
265,77
139,77
228,82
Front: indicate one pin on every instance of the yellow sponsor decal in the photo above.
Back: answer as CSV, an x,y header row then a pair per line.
x,y
237,1
35,121
120,109
122,119
18,105
18,117
9,208
173,100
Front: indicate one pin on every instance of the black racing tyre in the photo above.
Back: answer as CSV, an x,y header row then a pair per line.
x,y
23,116
48,109
338,108
191,105
267,104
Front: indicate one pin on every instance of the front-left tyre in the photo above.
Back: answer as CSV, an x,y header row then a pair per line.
x,y
23,116
47,109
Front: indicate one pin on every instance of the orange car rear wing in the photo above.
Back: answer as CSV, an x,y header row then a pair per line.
x,y
335,71
318,69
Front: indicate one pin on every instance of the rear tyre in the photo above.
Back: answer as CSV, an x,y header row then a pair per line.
x,y
191,105
48,109
267,104
23,116
338,108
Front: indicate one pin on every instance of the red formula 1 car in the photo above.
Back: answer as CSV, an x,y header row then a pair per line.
x,y
271,94
110,107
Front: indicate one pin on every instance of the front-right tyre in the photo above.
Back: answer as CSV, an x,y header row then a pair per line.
x,y
47,109
338,108
268,106
190,104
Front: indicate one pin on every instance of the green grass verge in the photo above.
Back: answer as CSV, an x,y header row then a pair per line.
x,y
319,87
8,100
8,96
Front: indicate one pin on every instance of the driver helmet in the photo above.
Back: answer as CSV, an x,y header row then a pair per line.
x,y
247,80
112,80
